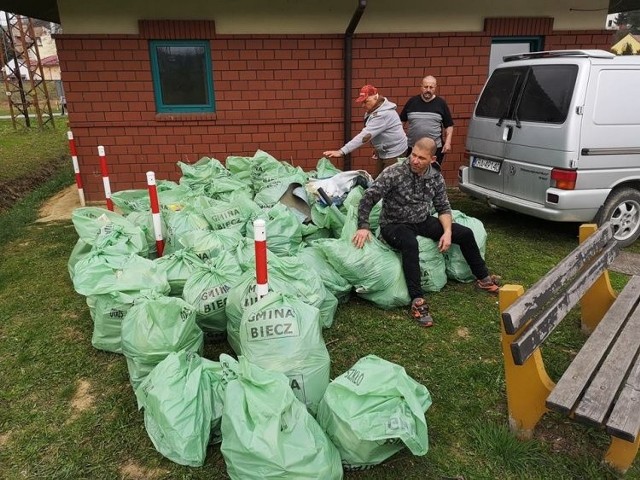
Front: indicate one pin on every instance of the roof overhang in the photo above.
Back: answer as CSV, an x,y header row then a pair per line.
x,y
42,9
616,6
48,9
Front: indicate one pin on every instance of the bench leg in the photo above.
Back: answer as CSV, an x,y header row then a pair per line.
x,y
528,385
597,300
621,453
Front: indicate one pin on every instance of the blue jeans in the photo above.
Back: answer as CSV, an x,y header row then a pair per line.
x,y
402,237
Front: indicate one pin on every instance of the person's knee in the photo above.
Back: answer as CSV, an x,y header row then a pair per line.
x,y
399,238
462,234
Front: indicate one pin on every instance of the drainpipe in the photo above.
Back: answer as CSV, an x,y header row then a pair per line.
x,y
348,69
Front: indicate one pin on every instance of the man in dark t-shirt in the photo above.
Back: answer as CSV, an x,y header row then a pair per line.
x,y
428,115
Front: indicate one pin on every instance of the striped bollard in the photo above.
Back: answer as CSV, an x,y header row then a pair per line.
x,y
260,243
76,166
105,177
155,211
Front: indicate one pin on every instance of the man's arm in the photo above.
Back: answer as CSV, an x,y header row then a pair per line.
x,y
448,136
445,240
447,123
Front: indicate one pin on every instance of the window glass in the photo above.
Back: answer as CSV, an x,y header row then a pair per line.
x,y
182,76
498,97
547,93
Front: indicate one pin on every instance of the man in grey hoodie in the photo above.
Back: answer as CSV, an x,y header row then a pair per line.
x,y
382,127
410,190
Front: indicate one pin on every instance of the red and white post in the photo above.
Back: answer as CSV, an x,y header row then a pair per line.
x,y
260,242
76,166
105,177
155,211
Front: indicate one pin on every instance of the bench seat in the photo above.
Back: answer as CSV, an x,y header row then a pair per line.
x,y
601,386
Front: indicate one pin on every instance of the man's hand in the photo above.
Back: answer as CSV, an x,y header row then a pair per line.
x,y
446,148
445,241
363,235
333,154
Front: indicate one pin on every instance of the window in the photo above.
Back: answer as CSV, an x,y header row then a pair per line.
x,y
547,93
182,76
499,96
501,46
541,93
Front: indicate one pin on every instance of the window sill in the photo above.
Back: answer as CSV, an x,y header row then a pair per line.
x,y
185,117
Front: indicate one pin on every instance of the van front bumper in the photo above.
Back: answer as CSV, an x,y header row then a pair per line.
x,y
572,205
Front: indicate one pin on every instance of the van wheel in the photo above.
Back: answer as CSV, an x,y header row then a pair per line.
x,y
622,209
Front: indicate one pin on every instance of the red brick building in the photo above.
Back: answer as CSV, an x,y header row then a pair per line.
x,y
274,72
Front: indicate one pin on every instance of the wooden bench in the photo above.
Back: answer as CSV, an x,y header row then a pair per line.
x,y
601,386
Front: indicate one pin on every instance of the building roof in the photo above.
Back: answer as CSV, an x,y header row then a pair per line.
x,y
49,61
628,39
48,9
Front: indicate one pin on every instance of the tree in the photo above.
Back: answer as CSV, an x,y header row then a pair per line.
x,y
629,21
627,50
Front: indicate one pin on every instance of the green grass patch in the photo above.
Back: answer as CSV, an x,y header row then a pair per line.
x,y
25,151
67,410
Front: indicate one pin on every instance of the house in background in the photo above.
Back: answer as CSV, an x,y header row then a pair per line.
x,y
174,81
629,39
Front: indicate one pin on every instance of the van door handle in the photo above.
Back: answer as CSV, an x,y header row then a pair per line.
x,y
507,133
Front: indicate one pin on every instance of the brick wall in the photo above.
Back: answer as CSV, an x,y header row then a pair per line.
x,y
282,94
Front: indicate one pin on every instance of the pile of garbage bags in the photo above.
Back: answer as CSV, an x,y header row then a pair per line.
x,y
274,409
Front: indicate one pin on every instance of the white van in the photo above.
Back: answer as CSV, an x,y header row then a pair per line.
x,y
556,135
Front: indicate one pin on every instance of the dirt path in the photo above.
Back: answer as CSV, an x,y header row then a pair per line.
x,y
60,206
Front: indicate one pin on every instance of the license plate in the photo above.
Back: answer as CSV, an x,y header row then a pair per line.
x,y
484,164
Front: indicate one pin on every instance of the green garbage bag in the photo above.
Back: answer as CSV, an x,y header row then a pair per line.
x,y
107,311
375,270
196,176
267,172
100,273
285,275
207,289
129,201
144,220
207,244
178,266
89,222
226,188
269,434
325,169
80,251
284,231
180,222
232,214
153,328
456,266
353,200
173,197
240,168
314,258
373,411
183,399
433,275
283,334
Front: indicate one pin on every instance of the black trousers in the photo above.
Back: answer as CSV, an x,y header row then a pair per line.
x,y
402,237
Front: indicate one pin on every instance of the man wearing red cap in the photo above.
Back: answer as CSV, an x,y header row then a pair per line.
x,y
382,127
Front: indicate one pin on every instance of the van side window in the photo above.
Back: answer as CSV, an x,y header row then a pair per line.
x,y
499,95
547,93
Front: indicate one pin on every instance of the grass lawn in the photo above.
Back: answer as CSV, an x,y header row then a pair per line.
x,y
67,410
25,151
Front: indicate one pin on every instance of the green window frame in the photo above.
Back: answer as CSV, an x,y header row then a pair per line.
x,y
182,74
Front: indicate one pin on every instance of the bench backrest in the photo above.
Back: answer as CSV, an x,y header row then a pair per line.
x,y
547,302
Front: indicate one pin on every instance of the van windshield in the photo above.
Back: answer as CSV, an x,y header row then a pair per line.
x,y
541,93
